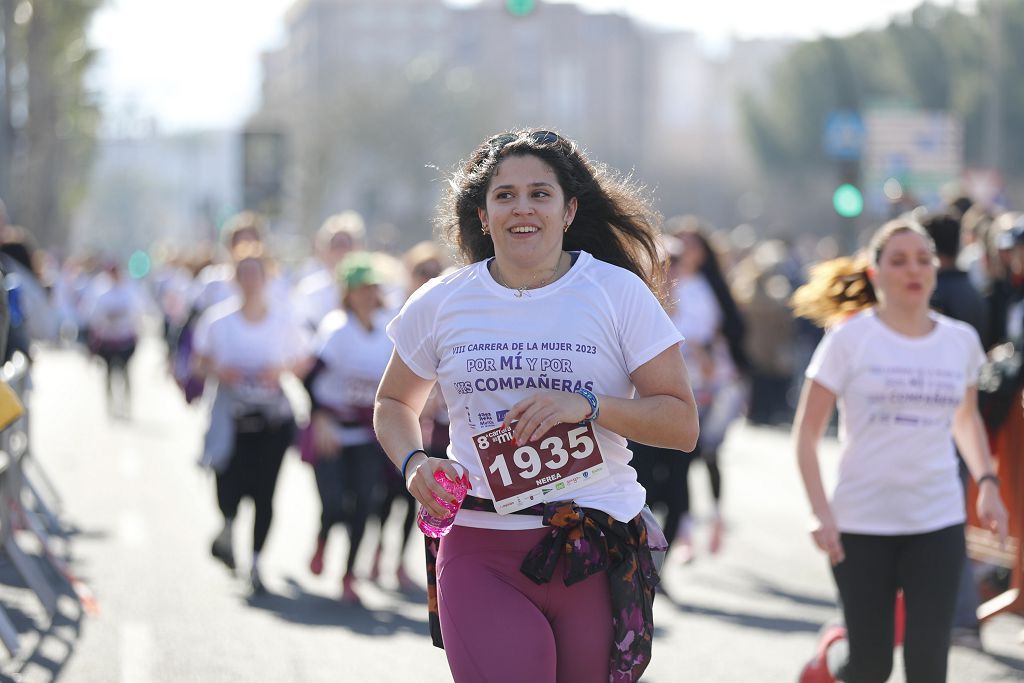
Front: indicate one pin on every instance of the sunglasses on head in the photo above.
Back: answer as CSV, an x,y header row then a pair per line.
x,y
541,137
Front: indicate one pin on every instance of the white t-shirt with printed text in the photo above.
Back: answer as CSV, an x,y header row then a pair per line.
x,y
230,340
355,359
489,349
898,471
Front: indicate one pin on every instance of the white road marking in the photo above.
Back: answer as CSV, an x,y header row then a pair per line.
x,y
137,649
131,529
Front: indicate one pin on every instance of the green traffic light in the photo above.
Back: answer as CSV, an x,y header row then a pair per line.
x,y
520,8
848,201
139,265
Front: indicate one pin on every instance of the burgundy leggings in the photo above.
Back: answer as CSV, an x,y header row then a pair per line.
x,y
500,626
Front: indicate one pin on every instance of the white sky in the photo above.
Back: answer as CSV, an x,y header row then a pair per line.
x,y
193,64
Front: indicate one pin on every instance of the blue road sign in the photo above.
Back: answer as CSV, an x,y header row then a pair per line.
x,y
844,135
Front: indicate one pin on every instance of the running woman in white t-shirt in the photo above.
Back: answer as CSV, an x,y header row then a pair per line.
x,y
247,346
550,350
905,381
352,350
113,318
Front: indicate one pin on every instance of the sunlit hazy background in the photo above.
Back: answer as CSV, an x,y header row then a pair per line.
x,y
131,122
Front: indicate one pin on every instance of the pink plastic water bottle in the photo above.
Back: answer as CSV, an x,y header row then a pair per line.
x,y
432,526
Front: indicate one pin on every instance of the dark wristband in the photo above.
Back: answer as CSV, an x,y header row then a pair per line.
x,y
405,463
988,477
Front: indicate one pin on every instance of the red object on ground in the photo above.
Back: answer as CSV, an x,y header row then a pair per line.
x,y
816,670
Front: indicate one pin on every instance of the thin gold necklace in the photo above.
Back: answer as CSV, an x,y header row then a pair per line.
x,y
521,291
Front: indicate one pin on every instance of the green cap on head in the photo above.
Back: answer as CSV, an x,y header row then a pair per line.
x,y
358,270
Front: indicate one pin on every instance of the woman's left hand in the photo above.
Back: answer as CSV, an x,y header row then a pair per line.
x,y
991,511
542,411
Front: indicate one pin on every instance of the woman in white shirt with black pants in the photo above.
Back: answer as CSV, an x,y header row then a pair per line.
x,y
905,381
247,346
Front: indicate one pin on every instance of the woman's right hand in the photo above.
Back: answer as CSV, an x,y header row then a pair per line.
x,y
826,536
325,443
419,480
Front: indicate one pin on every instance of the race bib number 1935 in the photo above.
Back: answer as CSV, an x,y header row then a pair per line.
x,y
561,462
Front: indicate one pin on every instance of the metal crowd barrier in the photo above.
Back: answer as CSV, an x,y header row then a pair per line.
x,y
24,506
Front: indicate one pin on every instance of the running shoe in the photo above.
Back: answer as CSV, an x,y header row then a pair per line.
x,y
222,550
717,530
256,582
967,637
349,596
405,582
375,569
682,546
316,565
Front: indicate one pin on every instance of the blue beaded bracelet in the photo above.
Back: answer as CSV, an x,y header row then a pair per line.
x,y
405,463
595,406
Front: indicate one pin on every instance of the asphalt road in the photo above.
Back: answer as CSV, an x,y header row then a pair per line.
x,y
142,515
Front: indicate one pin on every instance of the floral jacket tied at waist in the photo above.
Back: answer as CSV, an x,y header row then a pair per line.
x,y
592,541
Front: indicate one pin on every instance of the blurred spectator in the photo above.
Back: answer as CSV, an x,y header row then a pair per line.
x,y
1005,293
975,226
956,297
763,283
32,317
954,294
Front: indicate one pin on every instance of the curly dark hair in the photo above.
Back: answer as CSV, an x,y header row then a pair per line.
x,y
614,220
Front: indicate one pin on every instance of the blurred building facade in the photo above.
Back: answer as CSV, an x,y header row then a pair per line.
x,y
150,187
641,100
369,104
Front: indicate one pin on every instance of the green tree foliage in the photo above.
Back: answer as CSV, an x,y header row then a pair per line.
x,y
935,58
51,118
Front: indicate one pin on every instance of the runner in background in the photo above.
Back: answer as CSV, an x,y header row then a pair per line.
x,y
113,318
709,319
352,350
216,283
663,472
243,347
905,381
316,294
423,263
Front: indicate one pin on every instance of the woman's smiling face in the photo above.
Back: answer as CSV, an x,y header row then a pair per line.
x,y
526,211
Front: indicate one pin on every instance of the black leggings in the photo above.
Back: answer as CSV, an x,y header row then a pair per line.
x,y
394,488
664,472
116,358
927,567
350,487
252,472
